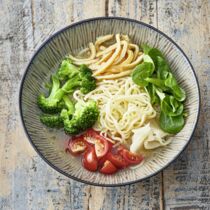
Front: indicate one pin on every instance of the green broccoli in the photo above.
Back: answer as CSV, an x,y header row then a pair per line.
x,y
87,81
69,106
56,121
84,117
67,70
53,103
81,76
52,121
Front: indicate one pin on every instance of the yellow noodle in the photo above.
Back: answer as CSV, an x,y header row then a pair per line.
x,y
92,54
102,39
114,76
111,60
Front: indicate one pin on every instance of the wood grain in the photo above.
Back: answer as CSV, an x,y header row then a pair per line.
x,y
187,181
26,181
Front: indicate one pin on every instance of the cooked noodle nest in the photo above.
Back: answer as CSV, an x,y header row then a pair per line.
x,y
123,107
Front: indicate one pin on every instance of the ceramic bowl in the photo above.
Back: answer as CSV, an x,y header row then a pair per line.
x,y
49,143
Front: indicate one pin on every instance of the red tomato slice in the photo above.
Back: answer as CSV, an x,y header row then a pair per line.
x,y
131,158
101,143
108,168
117,149
101,147
117,160
89,160
90,136
77,146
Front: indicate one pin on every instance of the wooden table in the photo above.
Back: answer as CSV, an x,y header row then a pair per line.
x,y
26,181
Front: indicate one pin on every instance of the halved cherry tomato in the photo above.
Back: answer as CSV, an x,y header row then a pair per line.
x,y
102,160
90,136
77,146
101,147
108,168
117,149
131,158
101,143
89,160
117,160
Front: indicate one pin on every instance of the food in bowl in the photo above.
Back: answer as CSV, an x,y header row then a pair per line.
x,y
118,103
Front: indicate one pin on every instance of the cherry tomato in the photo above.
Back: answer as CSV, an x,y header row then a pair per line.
x,y
117,149
101,143
117,160
108,168
77,146
102,160
101,147
89,160
90,136
131,158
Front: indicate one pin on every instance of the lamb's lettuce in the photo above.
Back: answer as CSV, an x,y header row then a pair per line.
x,y
154,74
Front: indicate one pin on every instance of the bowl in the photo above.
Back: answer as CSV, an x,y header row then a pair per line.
x,y
48,142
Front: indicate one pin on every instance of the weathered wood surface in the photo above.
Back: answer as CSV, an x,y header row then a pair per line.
x,y
26,181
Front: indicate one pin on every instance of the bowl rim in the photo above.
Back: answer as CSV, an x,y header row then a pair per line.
x,y
72,26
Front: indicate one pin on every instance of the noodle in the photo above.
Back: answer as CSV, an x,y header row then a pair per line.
x,y
112,61
123,107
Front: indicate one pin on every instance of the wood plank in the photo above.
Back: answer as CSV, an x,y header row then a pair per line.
x,y
186,182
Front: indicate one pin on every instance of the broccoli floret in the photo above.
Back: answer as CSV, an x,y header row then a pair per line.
x,y
52,121
56,121
84,117
67,70
81,76
88,82
53,103
69,106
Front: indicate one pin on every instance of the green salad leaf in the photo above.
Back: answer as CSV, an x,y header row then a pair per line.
x,y
151,89
141,72
176,90
171,124
163,68
171,107
154,74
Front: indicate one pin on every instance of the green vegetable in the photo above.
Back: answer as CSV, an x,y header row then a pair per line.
x,y
143,71
153,53
61,110
52,104
171,124
176,90
67,70
84,117
52,121
86,80
163,68
155,75
157,82
68,105
171,107
81,77
56,120
151,89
